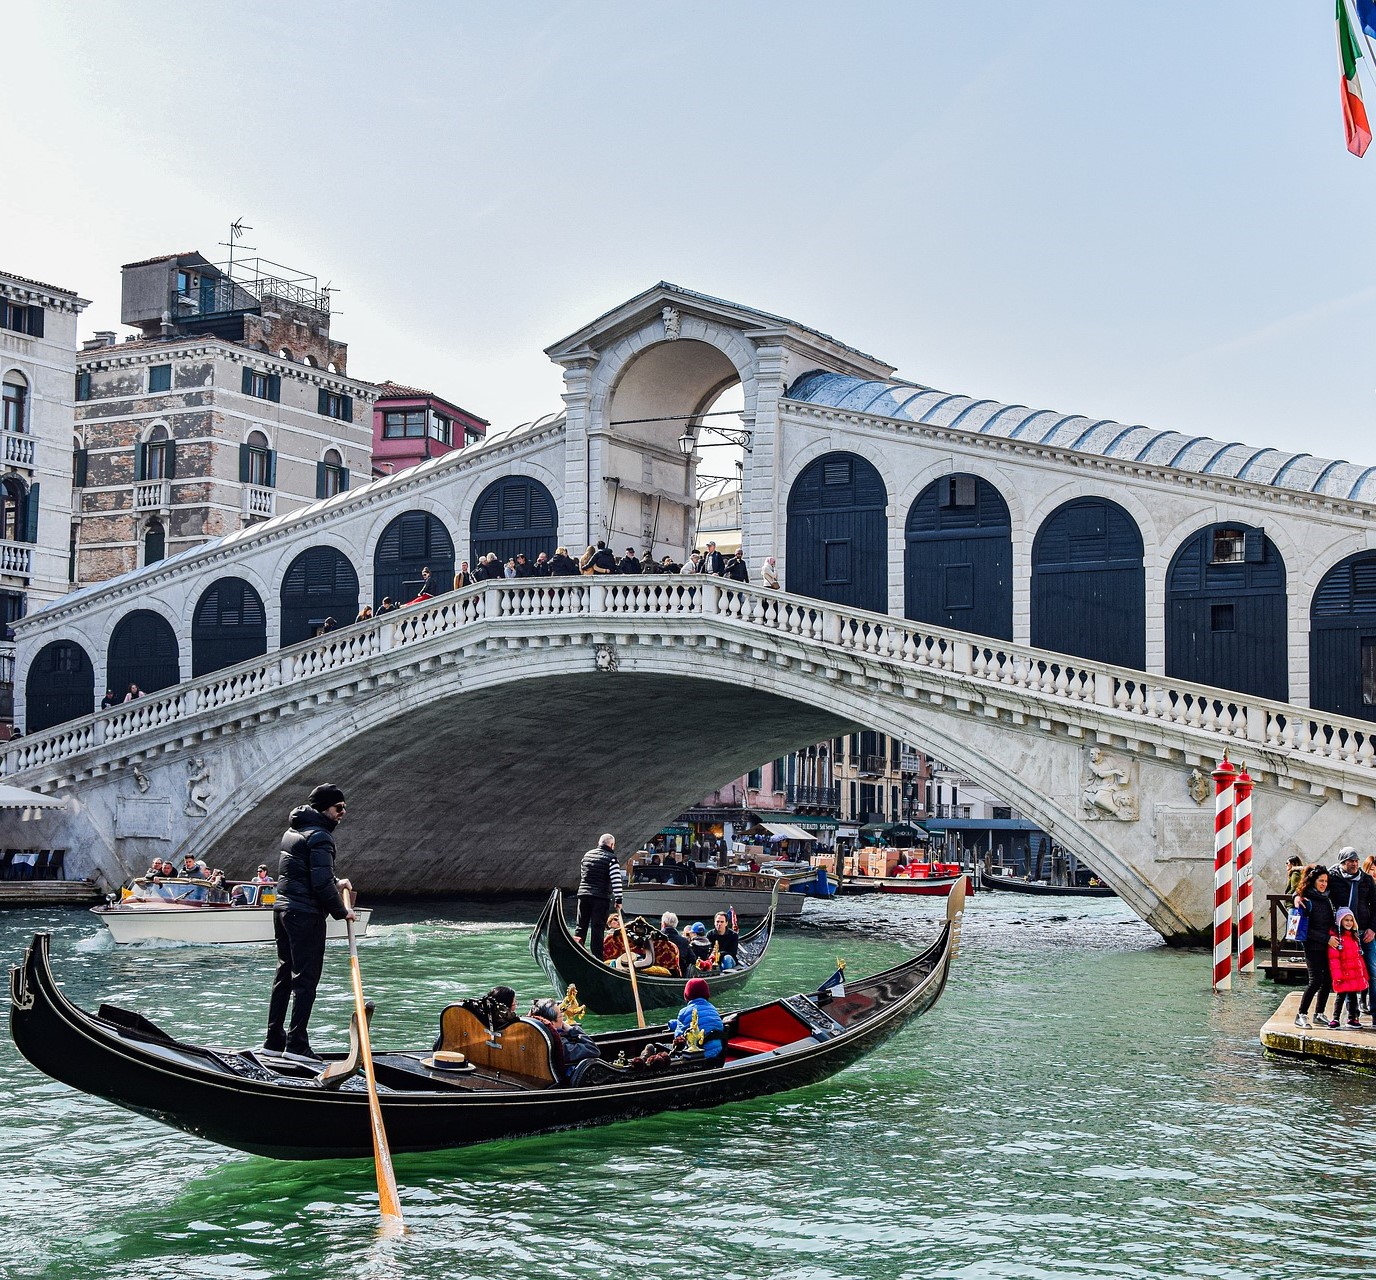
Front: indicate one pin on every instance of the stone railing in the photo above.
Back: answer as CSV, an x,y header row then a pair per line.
x,y
16,558
19,449
152,495
259,503
906,655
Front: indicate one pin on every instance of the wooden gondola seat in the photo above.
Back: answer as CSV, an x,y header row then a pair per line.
x,y
527,1048
763,1031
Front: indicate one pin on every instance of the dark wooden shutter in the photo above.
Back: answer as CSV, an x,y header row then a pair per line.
x,y
343,479
274,387
141,462
246,385
272,468
245,456
80,465
36,322
169,455
31,515
322,402
348,408
1253,546
83,386
321,473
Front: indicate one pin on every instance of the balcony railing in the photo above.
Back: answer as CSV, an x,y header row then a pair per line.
x,y
870,764
19,449
16,558
152,495
259,503
813,798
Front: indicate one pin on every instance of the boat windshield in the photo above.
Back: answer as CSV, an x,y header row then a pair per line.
x,y
168,891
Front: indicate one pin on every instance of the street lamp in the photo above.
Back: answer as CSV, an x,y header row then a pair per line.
x,y
688,441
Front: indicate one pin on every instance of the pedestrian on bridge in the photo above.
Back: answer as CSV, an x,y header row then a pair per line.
x,y
307,892
769,573
600,885
714,562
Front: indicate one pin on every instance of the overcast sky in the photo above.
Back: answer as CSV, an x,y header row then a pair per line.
x,y
1133,211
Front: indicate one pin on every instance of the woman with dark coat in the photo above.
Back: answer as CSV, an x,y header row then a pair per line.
x,y
1314,901
562,565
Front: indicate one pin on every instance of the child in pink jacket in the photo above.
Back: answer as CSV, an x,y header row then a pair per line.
x,y
1347,966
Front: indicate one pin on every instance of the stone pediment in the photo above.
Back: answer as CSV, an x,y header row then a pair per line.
x,y
650,307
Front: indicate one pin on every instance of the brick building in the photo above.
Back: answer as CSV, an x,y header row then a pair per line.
x,y
231,405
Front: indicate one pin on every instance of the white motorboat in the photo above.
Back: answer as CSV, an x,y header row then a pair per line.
x,y
749,892
177,910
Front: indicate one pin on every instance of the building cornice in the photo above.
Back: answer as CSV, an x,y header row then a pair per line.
x,y
326,511
1224,486
34,293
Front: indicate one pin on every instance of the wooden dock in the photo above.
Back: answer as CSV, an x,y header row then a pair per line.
x,y
1353,1050
49,893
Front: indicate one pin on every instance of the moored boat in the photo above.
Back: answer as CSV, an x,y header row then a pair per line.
x,y
1040,889
509,1086
179,910
749,892
607,989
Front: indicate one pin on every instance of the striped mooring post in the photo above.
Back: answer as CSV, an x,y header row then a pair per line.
x,y
1242,822
1224,787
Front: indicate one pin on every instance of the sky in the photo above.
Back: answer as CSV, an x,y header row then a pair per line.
x,y
1135,211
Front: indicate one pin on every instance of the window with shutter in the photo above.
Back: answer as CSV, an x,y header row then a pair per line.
x,y
837,472
31,515
80,463
83,386
160,377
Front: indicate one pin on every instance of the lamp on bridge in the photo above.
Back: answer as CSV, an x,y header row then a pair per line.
x,y
688,441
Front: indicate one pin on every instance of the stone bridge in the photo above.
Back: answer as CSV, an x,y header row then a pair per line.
x,y
485,739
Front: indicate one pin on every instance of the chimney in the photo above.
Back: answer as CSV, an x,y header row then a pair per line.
x,y
165,328
105,337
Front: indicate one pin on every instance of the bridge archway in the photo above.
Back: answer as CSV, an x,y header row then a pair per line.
x,y
320,583
408,544
515,513
838,533
1342,639
1226,612
143,651
958,559
61,686
229,625
1089,584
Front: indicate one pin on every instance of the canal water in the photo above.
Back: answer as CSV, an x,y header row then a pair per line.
x,y
1077,1104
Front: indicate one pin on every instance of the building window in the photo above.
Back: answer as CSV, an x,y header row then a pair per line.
x,y
331,476
441,429
472,435
157,457
80,465
333,404
13,509
154,542
958,491
1369,672
257,462
1221,617
83,385
1229,546
262,386
398,424
21,319
160,377
752,780
16,402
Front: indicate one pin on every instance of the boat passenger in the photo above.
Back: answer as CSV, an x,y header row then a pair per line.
x,y
668,926
699,948
239,898
726,940
193,868
697,993
578,1045
497,1008
262,877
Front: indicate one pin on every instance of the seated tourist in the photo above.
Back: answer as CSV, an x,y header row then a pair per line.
x,y
668,926
262,877
699,949
726,940
697,993
193,868
239,896
154,870
578,1045
497,1008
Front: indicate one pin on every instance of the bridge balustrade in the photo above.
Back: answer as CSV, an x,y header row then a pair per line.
x,y
1215,718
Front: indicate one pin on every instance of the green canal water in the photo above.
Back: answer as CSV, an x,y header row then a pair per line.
x,y
1077,1104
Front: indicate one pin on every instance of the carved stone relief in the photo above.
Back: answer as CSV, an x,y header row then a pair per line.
x,y
672,323
605,657
198,790
1109,787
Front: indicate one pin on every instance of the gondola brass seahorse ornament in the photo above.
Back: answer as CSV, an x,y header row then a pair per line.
x,y
693,1037
573,1011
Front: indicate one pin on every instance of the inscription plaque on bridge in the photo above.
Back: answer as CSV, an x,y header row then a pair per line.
x,y
142,818
1184,835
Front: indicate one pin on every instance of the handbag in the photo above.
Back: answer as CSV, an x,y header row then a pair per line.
x,y
1296,925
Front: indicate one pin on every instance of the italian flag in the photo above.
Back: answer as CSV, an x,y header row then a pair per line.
x,y
1354,109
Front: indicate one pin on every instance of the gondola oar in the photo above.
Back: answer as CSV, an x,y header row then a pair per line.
x,y
388,1201
630,966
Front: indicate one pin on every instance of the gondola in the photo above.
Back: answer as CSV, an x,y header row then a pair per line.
x,y
242,1098
606,990
986,881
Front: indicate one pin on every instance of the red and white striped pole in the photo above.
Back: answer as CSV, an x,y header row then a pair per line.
x,y
1224,779
1242,821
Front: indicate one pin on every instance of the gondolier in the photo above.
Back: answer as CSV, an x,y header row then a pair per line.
x,y
307,892
600,885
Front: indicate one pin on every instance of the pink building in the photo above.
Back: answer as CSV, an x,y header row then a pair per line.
x,y
411,424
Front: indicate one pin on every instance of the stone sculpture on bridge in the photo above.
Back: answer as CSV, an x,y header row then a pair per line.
x,y
1110,789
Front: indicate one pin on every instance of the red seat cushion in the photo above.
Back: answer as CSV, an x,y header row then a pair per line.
x,y
744,1044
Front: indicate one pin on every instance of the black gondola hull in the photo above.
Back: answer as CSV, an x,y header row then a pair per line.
x,y
607,990
216,1095
1046,890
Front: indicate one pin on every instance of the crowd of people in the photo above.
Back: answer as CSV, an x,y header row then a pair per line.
x,y
1337,924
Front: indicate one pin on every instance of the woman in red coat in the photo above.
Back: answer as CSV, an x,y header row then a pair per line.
x,y
1348,967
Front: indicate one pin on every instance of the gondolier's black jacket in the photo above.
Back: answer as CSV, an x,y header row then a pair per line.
x,y
305,869
599,875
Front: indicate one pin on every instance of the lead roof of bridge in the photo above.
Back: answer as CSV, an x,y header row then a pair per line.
x,y
914,403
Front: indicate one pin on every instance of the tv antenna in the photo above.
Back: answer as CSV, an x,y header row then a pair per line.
x,y
236,233
329,290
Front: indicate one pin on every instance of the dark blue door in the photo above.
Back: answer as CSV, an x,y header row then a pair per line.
x,y
60,686
1342,639
1088,585
229,625
320,583
514,514
1225,612
958,567
838,533
410,543
143,651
